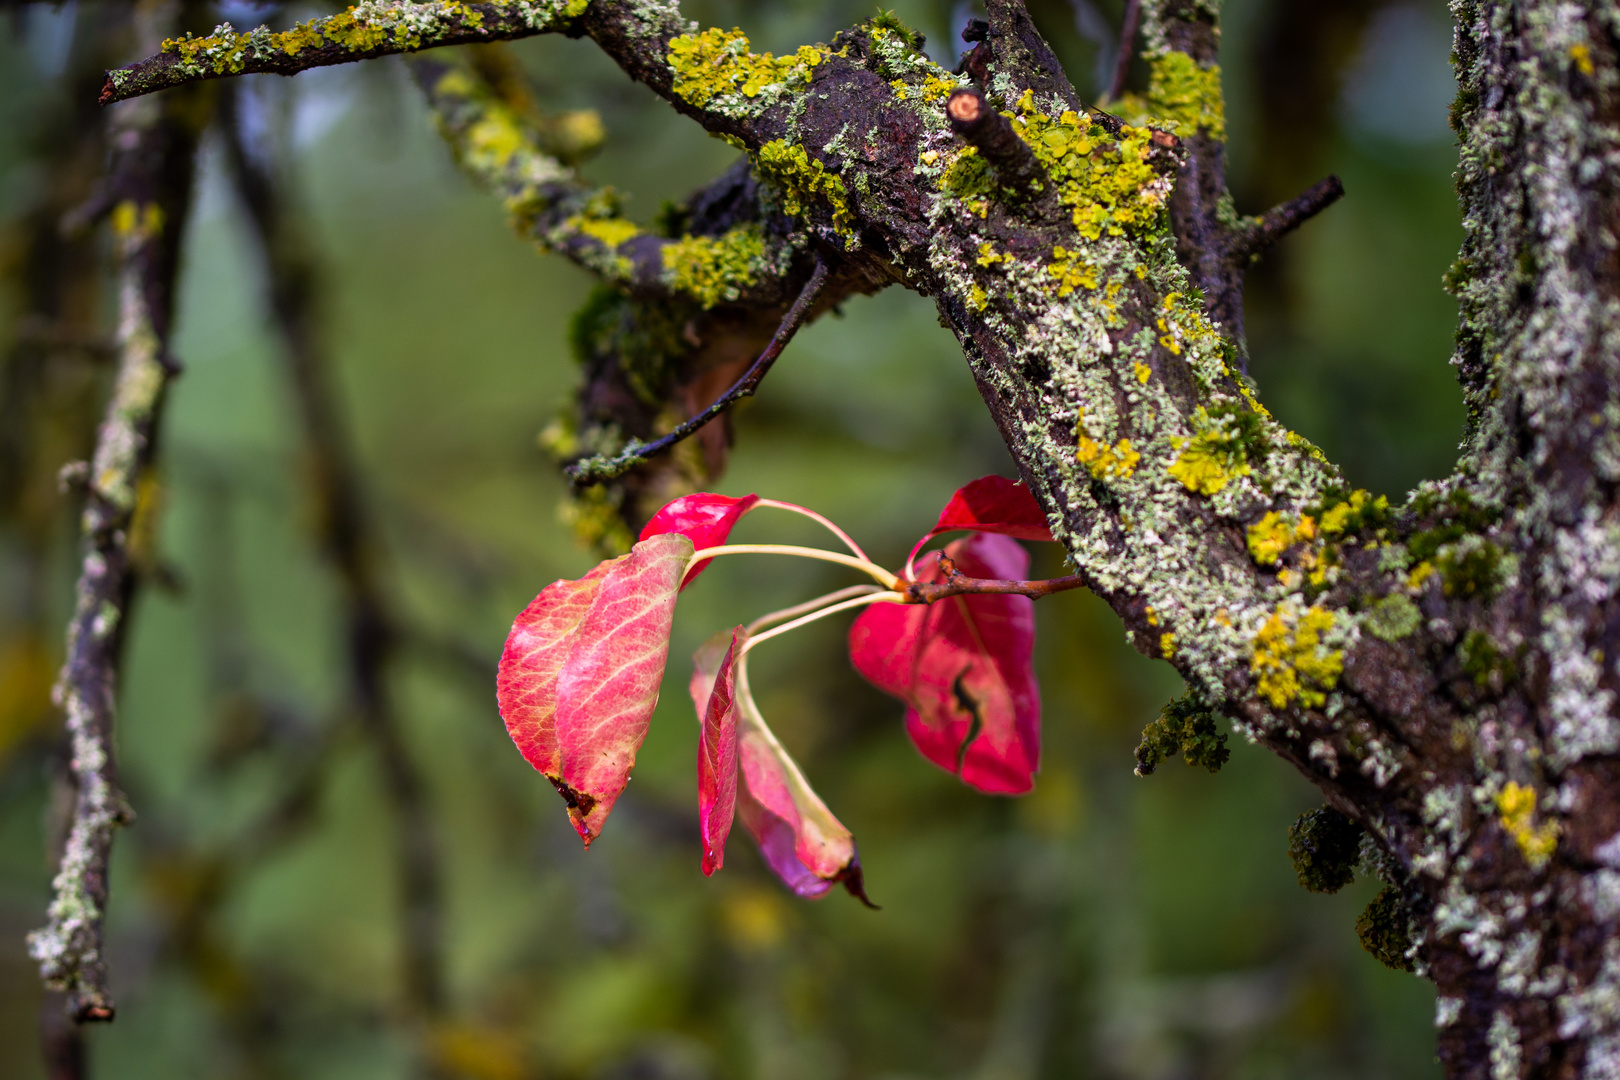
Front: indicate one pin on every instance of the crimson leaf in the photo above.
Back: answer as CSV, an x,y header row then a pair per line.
x,y
964,666
579,677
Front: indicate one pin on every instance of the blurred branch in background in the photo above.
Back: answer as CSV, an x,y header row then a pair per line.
x,y
147,194
349,540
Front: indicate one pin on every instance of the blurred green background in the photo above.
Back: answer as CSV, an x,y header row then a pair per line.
x,y
1105,926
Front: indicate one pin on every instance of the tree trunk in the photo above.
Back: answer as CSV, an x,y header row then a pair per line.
x,y
1441,670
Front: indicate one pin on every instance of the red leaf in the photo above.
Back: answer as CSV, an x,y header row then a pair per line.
x,y
713,694
704,518
778,805
994,504
579,678
965,668
803,843
526,682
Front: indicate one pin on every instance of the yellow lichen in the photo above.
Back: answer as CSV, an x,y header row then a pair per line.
x,y
1167,645
1202,464
1105,180
932,89
1104,462
610,231
1143,372
713,269
1070,271
970,179
1290,662
803,180
1581,53
978,299
1273,534
1181,91
1269,538
718,62
1517,806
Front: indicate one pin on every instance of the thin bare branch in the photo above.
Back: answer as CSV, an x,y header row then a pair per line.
x,y
1127,48
957,583
1277,222
981,125
596,470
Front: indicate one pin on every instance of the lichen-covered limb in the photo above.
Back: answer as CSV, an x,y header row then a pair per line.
x,y
678,317
150,184
362,32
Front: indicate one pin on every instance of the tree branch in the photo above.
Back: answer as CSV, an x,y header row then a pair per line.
x,y
150,179
1277,222
983,127
1127,49
595,470
360,33
957,583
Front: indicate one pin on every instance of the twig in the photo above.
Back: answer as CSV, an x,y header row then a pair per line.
x,y
1127,48
597,469
957,583
349,541
356,34
151,176
977,122
1277,222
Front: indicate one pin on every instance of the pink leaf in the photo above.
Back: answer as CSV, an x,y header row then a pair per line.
x,y
526,682
713,693
994,504
704,518
808,848
965,668
579,678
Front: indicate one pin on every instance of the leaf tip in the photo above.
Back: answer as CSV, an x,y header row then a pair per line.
x,y
854,881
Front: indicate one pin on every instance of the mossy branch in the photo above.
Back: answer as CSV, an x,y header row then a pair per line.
x,y
363,32
150,184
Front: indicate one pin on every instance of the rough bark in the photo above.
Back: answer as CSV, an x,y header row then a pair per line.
x,y
1441,670
147,194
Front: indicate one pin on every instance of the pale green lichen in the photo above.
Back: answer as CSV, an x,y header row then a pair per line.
x,y
1392,618
715,268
